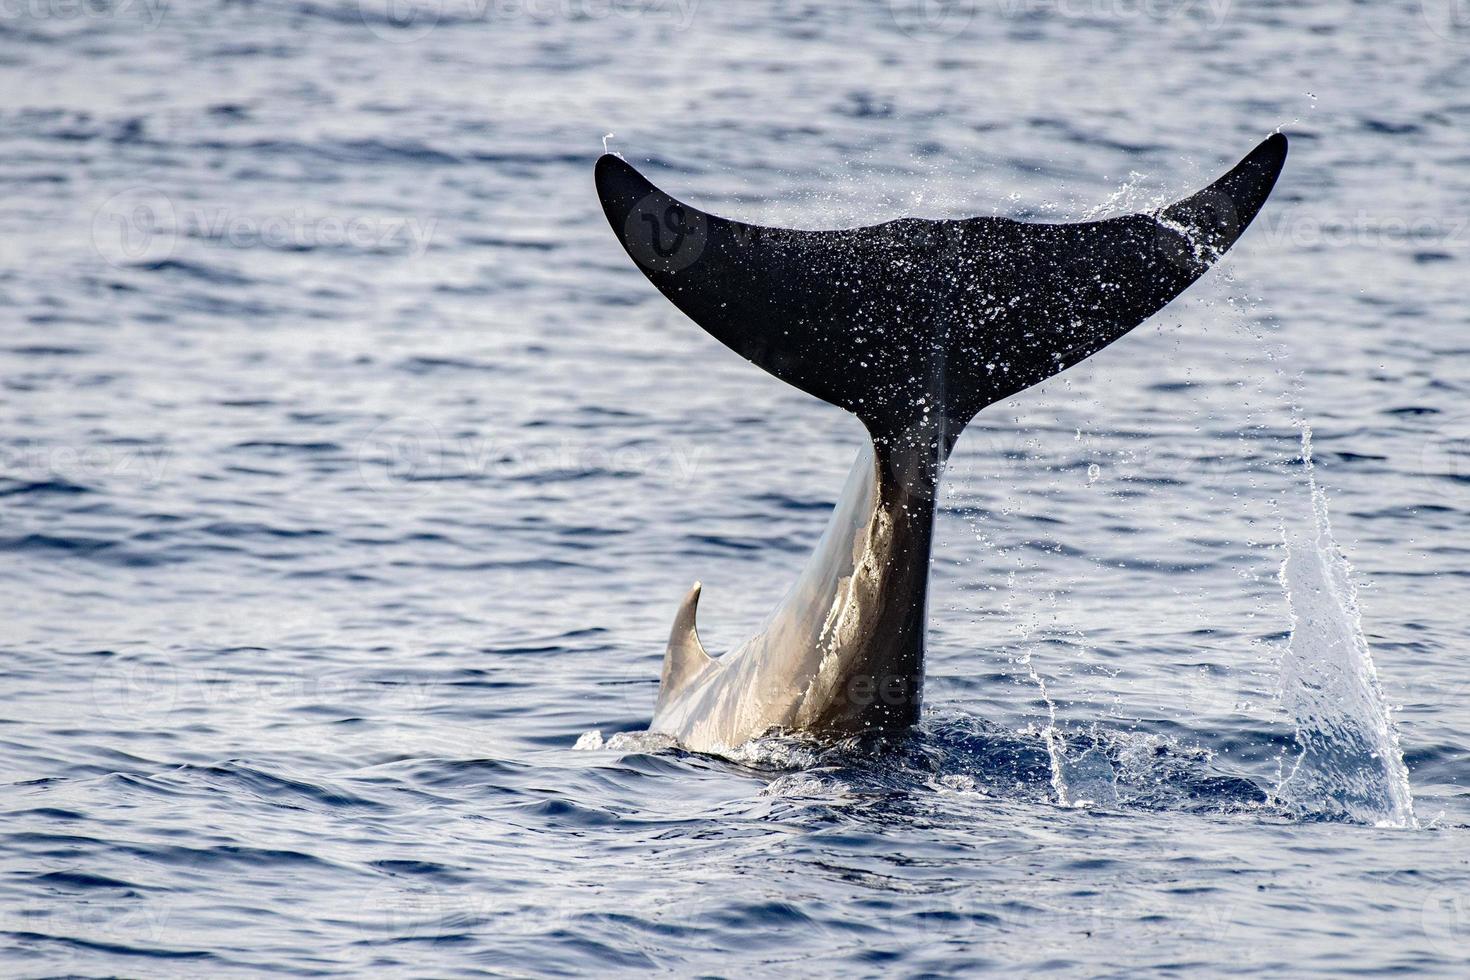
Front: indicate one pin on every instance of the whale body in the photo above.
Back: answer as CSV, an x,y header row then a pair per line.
x,y
914,326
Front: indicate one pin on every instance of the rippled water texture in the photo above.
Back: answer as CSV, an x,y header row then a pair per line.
x,y
350,476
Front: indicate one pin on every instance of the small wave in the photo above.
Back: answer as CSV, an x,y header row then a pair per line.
x,y
484,241
958,753
339,151
427,365
96,549
211,274
80,879
47,350
267,786
118,949
244,529
25,488
284,445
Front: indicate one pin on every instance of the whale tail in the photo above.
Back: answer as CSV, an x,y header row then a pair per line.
x,y
917,322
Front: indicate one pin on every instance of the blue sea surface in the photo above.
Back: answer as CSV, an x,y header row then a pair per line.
x,y
350,477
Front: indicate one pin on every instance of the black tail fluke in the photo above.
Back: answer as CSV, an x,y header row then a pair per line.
x,y
898,320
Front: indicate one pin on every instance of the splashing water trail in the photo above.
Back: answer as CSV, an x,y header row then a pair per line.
x,y
1350,761
1055,747
1078,778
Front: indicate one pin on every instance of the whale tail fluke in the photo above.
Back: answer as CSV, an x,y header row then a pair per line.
x,y
914,326
912,319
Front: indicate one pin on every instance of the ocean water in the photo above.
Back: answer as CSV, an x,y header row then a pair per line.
x,y
350,477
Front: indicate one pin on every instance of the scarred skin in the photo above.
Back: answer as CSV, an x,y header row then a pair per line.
x,y
844,652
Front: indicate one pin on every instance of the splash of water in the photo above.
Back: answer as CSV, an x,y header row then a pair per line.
x,y
624,742
1055,747
1080,777
1350,761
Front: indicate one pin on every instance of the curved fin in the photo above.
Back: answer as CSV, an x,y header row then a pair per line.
x,y
896,320
685,658
1055,294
